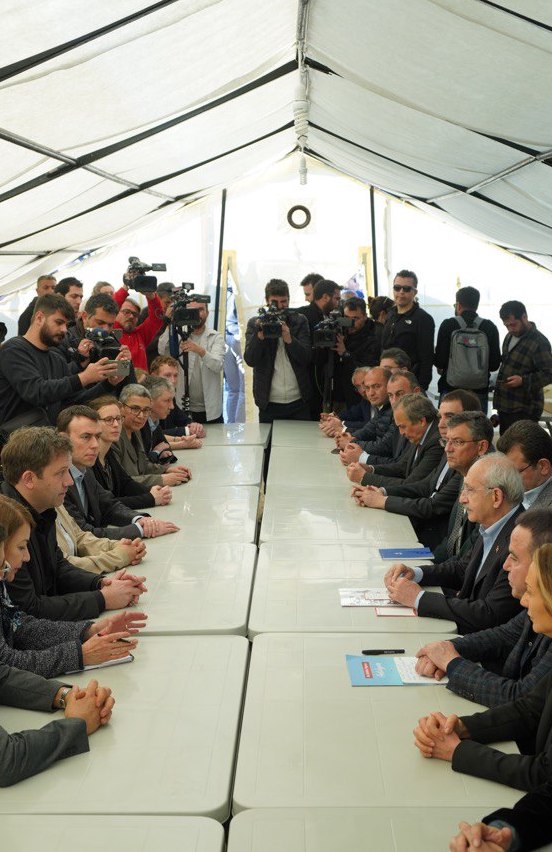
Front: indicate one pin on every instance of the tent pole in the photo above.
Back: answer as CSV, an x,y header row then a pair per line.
x,y
374,247
219,270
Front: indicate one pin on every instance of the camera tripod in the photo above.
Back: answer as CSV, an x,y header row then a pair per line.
x,y
178,334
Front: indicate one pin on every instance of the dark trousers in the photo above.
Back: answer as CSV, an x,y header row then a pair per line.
x,y
296,410
201,417
506,418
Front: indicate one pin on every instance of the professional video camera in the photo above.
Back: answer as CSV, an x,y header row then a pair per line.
x,y
271,320
141,282
105,344
183,316
325,333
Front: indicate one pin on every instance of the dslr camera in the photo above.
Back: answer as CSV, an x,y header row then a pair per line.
x,y
141,282
183,316
105,344
325,333
271,320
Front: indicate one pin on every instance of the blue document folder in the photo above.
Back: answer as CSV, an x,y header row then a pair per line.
x,y
397,553
373,671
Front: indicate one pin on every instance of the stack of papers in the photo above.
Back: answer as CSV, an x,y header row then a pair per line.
x,y
378,598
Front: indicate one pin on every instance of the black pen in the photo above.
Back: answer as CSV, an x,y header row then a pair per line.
x,y
375,652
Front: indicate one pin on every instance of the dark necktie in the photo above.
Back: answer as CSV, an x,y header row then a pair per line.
x,y
454,540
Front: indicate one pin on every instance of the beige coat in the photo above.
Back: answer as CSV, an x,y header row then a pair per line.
x,y
93,554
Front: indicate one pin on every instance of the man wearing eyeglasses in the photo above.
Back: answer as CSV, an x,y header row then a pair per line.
x,y
138,337
529,446
492,494
409,327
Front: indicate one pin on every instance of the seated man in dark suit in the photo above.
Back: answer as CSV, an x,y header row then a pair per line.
x,y
429,501
417,420
35,463
386,448
464,741
492,493
94,508
375,391
530,448
29,752
500,664
154,439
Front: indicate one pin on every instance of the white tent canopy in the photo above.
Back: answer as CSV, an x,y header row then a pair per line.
x,y
115,114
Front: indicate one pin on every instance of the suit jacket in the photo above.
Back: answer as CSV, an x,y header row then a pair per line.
x,y
416,463
127,490
469,534
427,507
530,817
544,500
85,550
105,516
388,449
513,659
530,715
48,586
482,601
130,454
375,428
29,752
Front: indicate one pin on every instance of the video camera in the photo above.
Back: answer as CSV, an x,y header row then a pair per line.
x,y
325,333
183,316
141,282
105,344
271,320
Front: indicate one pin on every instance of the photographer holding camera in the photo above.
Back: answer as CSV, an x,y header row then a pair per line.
x,y
138,337
358,346
281,382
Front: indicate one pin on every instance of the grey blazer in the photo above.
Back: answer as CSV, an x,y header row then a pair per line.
x,y
132,457
29,752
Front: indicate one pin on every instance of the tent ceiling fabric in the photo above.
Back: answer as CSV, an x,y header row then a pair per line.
x,y
113,113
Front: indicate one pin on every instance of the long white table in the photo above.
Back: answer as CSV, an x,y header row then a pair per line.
x,y
236,434
297,590
209,514
138,834
350,829
313,513
171,744
300,433
310,739
205,588
219,466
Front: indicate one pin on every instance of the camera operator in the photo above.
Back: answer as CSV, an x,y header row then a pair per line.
x,y
137,337
358,346
205,348
281,383
325,298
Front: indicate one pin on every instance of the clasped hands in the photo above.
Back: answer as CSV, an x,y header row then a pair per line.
x,y
438,735
369,495
399,582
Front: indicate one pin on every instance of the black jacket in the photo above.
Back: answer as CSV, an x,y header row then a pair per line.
x,y
531,716
414,464
24,321
362,350
468,534
114,478
530,817
32,378
442,347
483,599
175,424
48,586
261,354
413,332
106,517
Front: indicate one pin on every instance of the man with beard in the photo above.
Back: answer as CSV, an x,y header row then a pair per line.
x,y
35,378
357,347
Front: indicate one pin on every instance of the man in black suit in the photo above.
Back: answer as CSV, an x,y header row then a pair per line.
x,y
416,419
94,508
492,493
429,501
325,298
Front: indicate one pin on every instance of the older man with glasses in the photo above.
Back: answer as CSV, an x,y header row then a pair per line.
x,y
409,327
129,450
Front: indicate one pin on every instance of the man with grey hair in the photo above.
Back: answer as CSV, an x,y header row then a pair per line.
x,y
417,420
136,407
155,441
492,494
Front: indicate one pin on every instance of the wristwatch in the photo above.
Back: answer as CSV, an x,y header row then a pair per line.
x,y
61,700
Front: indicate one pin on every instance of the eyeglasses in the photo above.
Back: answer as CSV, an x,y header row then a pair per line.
x,y
130,313
469,489
404,287
459,442
523,469
137,411
111,420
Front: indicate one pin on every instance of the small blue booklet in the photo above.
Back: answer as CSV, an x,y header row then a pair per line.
x,y
396,553
387,671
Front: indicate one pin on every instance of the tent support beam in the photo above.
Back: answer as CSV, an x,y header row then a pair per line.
x,y
374,247
220,254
